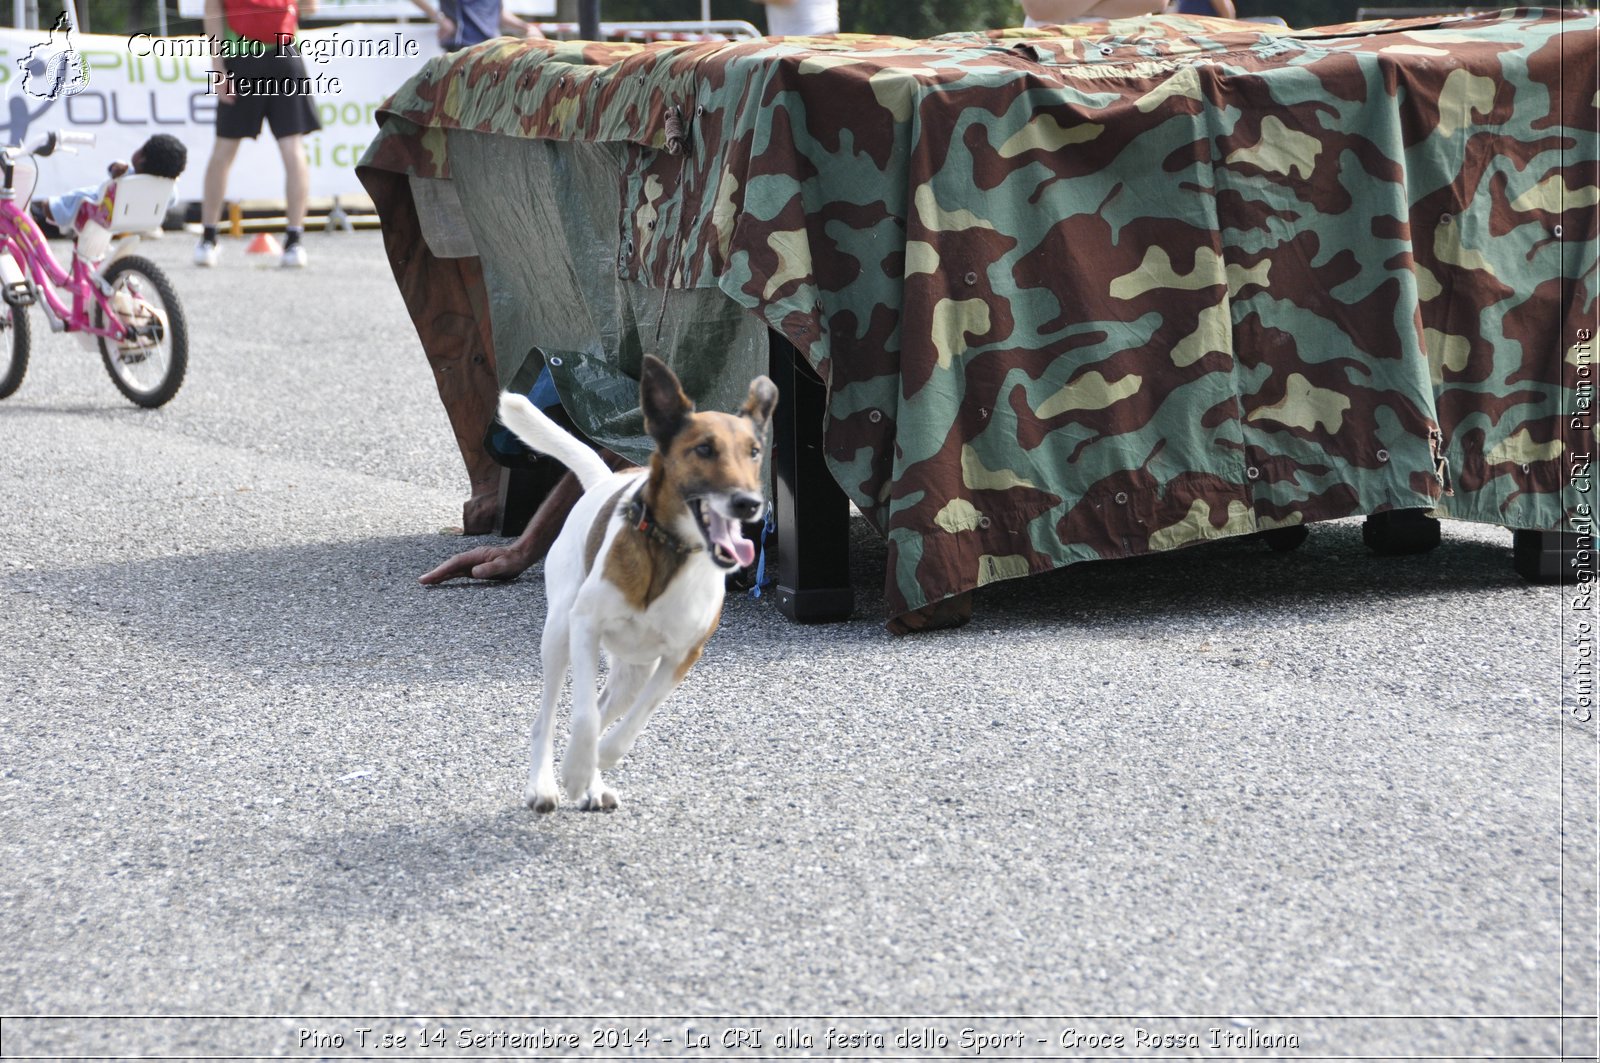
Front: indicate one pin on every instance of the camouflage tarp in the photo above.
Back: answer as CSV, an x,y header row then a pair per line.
x,y
1085,295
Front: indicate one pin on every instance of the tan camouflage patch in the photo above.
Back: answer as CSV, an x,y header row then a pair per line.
x,y
1156,271
1464,95
936,219
1185,84
957,515
794,259
1445,351
921,257
1304,405
1091,391
1519,448
1552,196
994,567
1214,333
953,319
1280,150
979,478
723,214
1196,526
1044,133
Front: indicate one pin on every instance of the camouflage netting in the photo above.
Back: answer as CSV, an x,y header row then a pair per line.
x,y
1074,296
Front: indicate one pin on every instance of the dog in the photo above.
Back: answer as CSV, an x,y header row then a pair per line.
x,y
638,571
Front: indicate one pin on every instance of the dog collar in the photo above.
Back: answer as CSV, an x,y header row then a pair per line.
x,y
641,520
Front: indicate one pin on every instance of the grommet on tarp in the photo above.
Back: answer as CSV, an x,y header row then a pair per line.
x,y
1383,455
1252,473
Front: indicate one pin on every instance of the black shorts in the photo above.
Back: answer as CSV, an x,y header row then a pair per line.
x,y
274,87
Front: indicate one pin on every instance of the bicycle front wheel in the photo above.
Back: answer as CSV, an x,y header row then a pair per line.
x,y
149,363
15,340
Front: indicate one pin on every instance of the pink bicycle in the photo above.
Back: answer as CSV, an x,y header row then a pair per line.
x,y
122,304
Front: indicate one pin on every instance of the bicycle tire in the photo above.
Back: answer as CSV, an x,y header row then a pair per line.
x,y
14,319
174,337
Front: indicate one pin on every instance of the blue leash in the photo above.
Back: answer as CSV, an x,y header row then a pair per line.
x,y
762,580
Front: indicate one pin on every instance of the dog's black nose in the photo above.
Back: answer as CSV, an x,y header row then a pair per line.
x,y
745,507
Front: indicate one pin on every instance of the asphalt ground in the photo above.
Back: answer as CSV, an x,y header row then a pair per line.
x,y
251,768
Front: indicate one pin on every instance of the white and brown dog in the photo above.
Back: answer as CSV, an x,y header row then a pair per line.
x,y
638,570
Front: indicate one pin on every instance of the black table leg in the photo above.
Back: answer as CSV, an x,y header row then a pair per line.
x,y
812,513
1550,557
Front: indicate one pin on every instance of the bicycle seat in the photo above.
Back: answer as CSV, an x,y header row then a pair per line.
x,y
133,203
138,202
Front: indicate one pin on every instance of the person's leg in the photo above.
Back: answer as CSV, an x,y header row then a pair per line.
x,y
296,178
215,187
216,181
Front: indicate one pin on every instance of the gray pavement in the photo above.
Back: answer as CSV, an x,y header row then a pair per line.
x,y
251,768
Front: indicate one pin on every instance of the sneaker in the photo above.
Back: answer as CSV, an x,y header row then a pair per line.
x,y
294,256
206,253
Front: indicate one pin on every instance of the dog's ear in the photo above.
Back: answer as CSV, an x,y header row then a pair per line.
x,y
762,401
663,401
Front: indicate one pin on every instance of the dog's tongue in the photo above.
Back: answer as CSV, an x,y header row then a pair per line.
x,y
730,536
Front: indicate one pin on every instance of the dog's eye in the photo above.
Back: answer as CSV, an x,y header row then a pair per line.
x,y
755,453
706,450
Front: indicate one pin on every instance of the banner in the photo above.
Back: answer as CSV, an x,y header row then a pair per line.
x,y
124,89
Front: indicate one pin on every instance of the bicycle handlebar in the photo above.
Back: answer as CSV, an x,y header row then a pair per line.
x,y
46,143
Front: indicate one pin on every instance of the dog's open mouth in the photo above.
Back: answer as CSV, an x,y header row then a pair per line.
x,y
724,536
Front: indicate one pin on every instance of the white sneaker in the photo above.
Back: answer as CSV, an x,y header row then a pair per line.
x,y
206,253
294,257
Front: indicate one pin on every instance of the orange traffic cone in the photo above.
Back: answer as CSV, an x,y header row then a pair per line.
x,y
264,244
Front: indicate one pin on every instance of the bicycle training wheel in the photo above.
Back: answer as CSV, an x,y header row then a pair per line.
x,y
148,365
15,339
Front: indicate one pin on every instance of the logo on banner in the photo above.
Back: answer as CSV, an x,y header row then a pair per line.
x,y
54,69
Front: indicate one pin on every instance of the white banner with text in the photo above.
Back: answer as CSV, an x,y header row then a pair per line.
x,y
123,89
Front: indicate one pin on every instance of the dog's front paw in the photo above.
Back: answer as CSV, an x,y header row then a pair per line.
x,y
598,799
541,799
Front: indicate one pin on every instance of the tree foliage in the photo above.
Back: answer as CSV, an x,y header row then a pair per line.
x,y
927,18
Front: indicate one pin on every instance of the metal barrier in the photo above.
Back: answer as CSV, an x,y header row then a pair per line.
x,y
694,30
1363,14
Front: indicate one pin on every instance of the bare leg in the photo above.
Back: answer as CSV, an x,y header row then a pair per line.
x,y
216,181
296,179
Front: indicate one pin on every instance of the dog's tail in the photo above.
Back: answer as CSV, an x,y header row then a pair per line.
x,y
544,435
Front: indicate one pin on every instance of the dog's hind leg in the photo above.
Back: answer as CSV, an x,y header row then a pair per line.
x,y
555,649
662,682
580,769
